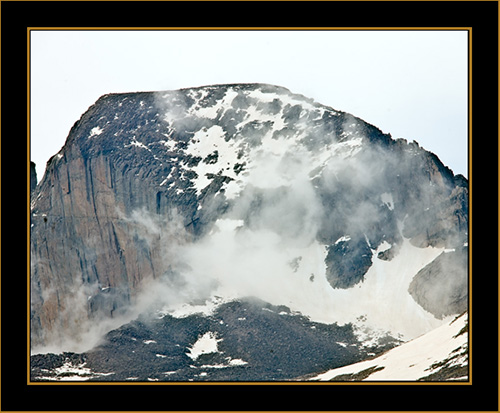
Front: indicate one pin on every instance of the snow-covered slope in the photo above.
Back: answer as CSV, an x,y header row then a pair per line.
x,y
441,354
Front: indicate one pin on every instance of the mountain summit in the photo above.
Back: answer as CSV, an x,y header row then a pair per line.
x,y
180,205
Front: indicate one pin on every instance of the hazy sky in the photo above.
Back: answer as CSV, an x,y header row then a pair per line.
x,y
411,84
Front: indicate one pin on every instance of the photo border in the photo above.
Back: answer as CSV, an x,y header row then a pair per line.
x,y
482,394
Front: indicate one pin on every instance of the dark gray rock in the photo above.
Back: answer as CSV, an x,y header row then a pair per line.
x,y
347,262
33,178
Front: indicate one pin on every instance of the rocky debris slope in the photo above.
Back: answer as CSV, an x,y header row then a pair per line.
x,y
143,175
247,340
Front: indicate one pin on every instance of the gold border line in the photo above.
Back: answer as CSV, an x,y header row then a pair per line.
x,y
281,383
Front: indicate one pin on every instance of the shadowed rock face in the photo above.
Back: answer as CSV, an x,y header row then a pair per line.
x,y
141,173
33,178
347,262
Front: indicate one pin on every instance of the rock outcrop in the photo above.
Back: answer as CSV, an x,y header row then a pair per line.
x,y
33,178
441,287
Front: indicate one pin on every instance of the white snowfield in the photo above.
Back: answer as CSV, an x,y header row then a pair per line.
x,y
415,359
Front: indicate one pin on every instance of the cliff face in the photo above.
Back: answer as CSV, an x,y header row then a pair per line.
x,y
142,173
87,257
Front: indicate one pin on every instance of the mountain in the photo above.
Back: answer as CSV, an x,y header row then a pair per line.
x,y
161,201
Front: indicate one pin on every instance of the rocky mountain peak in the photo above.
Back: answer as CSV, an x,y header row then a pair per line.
x,y
238,189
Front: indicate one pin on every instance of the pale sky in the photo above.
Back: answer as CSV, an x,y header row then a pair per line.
x,y
411,84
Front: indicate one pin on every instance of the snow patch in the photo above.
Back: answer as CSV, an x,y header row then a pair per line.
x,y
387,200
344,238
205,344
136,143
186,309
218,156
95,132
71,372
230,363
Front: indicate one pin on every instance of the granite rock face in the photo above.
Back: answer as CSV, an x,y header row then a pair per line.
x,y
142,173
